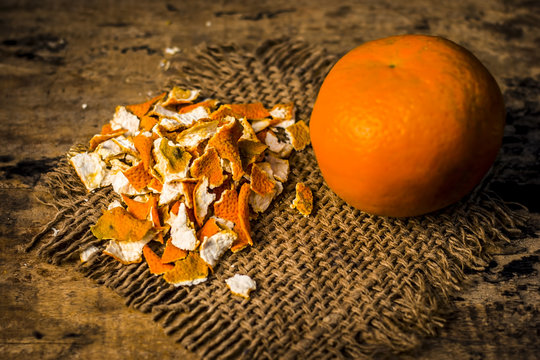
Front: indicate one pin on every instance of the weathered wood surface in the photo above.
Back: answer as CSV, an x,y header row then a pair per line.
x,y
57,56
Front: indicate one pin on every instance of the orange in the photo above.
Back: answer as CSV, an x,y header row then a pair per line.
x,y
406,125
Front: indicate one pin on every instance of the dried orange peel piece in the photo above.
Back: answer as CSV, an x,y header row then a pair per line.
x,y
143,143
223,112
90,169
283,149
202,199
188,189
106,129
208,104
259,203
155,185
213,247
126,252
183,234
283,111
147,123
126,145
171,191
172,161
191,270
243,228
209,228
155,264
138,176
253,111
118,224
193,136
87,253
227,206
225,141
123,119
154,215
208,165
138,209
250,151
303,201
172,120
279,166
175,207
179,96
248,133
262,182
299,135
142,109
172,253
98,139
241,285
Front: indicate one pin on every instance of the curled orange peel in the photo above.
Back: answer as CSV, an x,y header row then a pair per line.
x,y
225,141
243,228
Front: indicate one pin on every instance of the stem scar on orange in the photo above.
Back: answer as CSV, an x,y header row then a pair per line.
x,y
406,125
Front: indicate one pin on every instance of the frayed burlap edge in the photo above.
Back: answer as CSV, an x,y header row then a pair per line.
x,y
339,284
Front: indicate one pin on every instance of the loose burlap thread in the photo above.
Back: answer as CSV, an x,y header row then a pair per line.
x,y
338,284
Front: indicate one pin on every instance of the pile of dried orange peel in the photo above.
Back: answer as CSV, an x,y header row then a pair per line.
x,y
191,175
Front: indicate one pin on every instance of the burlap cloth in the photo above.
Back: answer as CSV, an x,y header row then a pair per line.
x,y
339,284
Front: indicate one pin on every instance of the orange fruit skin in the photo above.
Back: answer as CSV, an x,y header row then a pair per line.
x,y
406,125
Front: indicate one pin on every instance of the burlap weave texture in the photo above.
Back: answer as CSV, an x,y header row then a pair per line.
x,y
338,284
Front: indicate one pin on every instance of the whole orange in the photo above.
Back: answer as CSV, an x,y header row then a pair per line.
x,y
406,125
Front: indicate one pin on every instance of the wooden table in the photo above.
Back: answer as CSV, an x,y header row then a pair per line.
x,y
64,67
